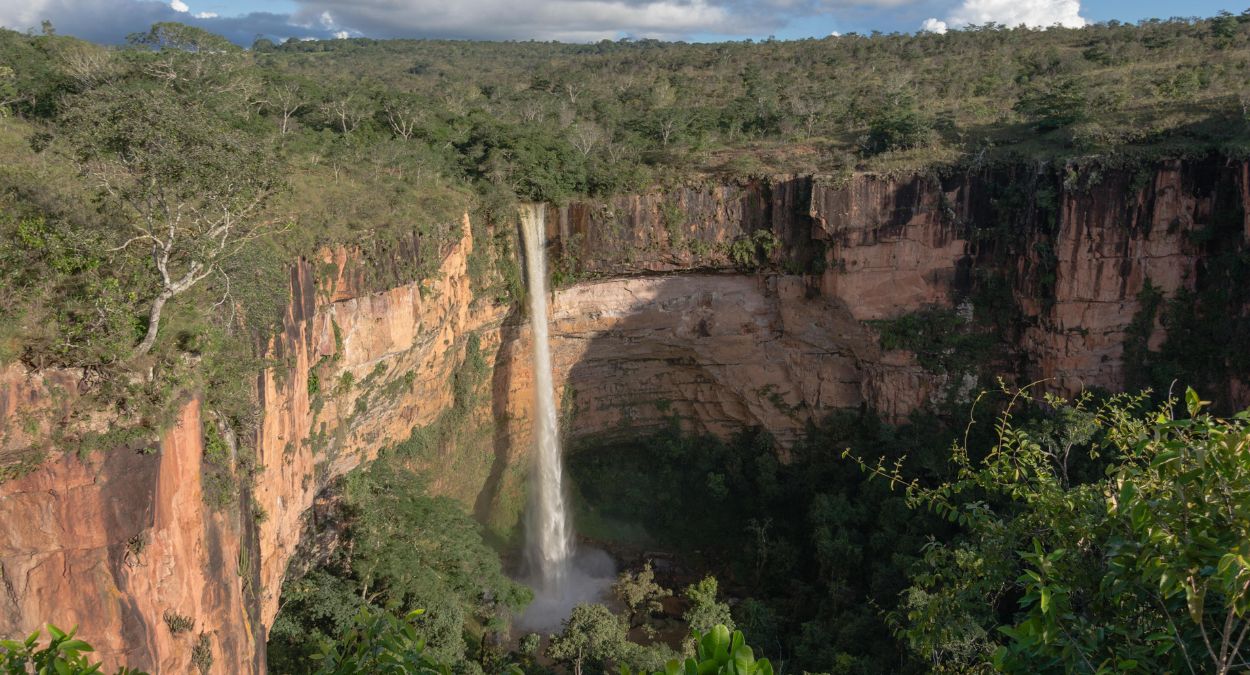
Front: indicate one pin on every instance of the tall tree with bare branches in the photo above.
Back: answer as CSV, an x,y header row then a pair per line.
x,y
183,181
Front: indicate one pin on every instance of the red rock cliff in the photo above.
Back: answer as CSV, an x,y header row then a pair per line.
x,y
665,320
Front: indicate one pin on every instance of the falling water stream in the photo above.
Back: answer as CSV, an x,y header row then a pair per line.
x,y
561,576
550,547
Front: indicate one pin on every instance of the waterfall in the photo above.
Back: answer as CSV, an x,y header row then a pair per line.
x,y
549,546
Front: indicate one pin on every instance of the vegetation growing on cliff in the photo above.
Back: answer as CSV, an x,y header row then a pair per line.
x,y
942,339
1206,329
404,550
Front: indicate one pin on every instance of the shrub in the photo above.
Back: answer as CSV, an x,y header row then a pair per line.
x,y
202,654
1141,567
178,623
1055,104
717,652
898,126
378,642
64,655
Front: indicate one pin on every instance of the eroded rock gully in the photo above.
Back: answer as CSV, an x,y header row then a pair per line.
x,y
664,322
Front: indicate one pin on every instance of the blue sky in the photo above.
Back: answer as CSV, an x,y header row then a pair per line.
x,y
572,20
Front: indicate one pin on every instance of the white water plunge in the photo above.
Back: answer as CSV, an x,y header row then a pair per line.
x,y
562,576
549,551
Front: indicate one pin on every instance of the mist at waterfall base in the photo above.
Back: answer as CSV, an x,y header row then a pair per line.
x,y
560,575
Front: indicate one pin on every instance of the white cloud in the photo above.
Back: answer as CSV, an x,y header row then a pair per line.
x,y
1031,13
110,21
342,35
579,20
569,20
1012,13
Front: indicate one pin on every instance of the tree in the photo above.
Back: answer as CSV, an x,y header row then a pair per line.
x,y
586,136
186,185
1142,567
288,99
346,112
669,124
407,550
705,611
640,594
592,633
171,35
403,114
1055,104
1224,28
898,126
9,93
88,65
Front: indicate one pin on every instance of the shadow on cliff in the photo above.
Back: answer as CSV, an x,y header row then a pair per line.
x,y
502,376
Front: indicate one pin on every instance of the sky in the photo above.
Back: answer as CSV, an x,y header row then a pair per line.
x,y
109,21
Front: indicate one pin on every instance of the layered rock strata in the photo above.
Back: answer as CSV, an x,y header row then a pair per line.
x,y
731,305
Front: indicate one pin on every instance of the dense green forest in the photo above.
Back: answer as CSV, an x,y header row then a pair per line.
x,y
152,196
285,141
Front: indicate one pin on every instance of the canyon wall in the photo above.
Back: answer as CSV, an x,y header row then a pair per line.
x,y
116,541
115,544
1074,250
675,304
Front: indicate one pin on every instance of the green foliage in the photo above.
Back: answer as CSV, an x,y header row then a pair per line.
x,y
378,642
898,126
640,594
494,265
748,252
819,562
63,655
406,550
720,650
178,36
941,339
202,654
220,487
61,301
706,612
1056,104
178,623
592,635
1207,332
173,166
528,644
659,482
1140,567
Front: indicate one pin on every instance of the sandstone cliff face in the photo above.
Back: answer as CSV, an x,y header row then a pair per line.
x,y
116,543
718,351
384,364
1114,239
1074,249
665,321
